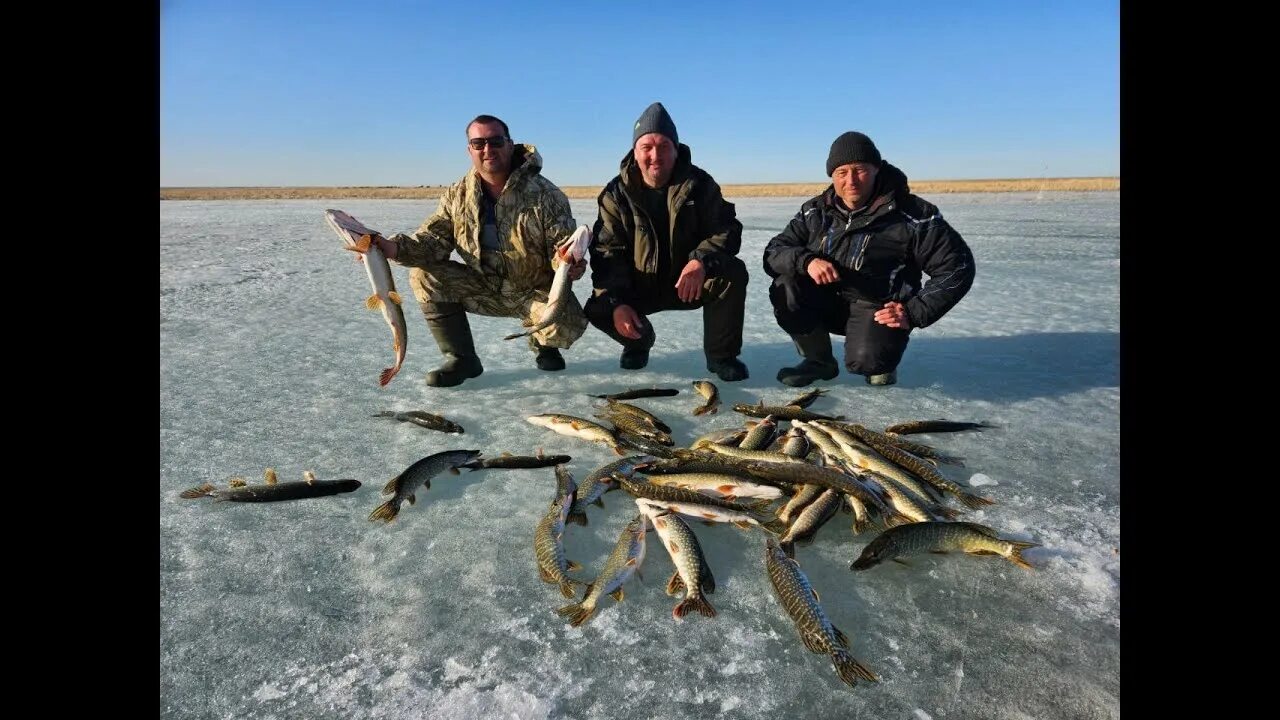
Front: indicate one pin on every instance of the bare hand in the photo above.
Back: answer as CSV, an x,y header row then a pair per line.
x,y
894,315
689,286
387,247
626,322
822,271
578,269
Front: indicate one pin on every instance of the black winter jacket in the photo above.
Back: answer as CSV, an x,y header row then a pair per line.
x,y
624,252
880,252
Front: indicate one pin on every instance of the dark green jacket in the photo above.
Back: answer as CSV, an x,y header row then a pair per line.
x,y
624,250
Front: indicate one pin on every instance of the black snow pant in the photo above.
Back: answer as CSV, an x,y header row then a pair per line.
x,y
723,303
801,306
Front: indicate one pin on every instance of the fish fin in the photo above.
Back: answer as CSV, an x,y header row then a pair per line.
x,y
849,669
413,499
386,512
388,373
573,566
617,595
840,637
776,527
505,454
390,487
566,588
1016,558
698,603
362,245
948,513
814,591
813,642
454,471
309,477
577,518
545,576
394,297
598,501
198,492
269,476
675,585
236,482
973,501
577,613
760,506
900,561
982,530
373,302
742,524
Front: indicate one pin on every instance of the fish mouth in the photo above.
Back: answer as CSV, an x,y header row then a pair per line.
x,y
862,564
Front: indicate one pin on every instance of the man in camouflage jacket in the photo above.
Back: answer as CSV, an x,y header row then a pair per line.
x,y
504,220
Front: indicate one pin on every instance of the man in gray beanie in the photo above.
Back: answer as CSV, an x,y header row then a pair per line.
x,y
850,263
666,239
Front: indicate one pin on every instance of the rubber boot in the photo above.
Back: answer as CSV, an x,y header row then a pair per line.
x,y
547,358
818,363
449,326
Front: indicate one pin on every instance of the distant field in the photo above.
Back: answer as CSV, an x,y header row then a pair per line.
x,y
923,187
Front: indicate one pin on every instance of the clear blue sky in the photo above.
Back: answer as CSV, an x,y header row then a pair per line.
x,y
379,93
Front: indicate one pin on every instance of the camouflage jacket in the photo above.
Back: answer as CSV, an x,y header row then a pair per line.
x,y
533,215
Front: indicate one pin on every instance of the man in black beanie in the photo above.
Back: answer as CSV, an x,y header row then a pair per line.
x,y
850,263
666,239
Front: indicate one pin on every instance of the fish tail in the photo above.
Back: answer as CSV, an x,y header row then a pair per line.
x,y
970,500
566,588
386,512
577,517
859,524
205,490
775,526
698,603
850,669
760,506
1015,556
578,613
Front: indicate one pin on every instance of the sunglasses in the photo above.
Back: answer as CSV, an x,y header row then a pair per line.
x,y
497,143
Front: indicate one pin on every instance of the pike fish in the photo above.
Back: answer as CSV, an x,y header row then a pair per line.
x,y
569,251
782,412
692,576
507,461
422,419
932,426
273,491
359,239
623,562
800,600
576,427
418,475
548,537
940,537
638,393
708,390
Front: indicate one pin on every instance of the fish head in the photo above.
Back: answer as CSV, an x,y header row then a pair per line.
x,y
876,552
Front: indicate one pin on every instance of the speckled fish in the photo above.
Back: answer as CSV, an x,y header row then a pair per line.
x,y
623,562
576,427
507,461
692,576
359,239
600,481
760,436
273,491
422,419
940,537
548,537
800,600
708,390
782,412
807,399
634,393
813,517
933,426
418,475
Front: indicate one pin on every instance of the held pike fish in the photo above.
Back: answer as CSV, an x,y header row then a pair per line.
x,y
623,562
639,393
692,576
800,600
507,461
422,419
418,475
548,537
940,537
569,251
708,390
359,239
576,427
934,426
274,491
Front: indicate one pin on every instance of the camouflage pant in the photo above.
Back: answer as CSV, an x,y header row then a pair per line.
x,y
453,282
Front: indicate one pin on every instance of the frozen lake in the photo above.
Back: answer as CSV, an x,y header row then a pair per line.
x,y
307,609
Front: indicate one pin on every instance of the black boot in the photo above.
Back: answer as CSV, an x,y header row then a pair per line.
x,y
449,326
728,369
547,358
818,363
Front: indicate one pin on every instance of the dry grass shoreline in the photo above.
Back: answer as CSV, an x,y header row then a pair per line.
x,y
923,187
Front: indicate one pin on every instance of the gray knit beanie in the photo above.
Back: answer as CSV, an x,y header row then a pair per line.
x,y
655,119
852,147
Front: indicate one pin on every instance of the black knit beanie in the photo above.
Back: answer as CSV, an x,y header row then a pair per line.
x,y
851,147
655,119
